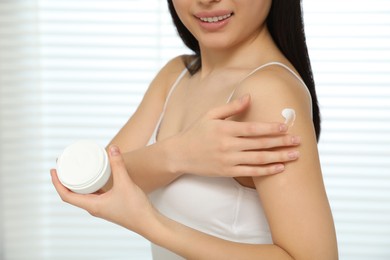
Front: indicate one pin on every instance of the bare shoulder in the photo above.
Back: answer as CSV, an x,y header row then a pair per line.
x,y
294,201
159,87
176,64
274,88
170,71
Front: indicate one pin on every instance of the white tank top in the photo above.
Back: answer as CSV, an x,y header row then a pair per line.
x,y
218,206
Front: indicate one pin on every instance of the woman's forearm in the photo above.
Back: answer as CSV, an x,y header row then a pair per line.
x,y
192,244
151,167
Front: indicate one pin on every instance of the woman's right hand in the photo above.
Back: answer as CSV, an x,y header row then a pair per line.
x,y
214,146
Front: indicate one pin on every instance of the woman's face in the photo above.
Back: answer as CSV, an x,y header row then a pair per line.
x,y
222,24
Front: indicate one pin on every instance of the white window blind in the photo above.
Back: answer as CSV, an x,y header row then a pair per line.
x,y
78,68
69,70
349,42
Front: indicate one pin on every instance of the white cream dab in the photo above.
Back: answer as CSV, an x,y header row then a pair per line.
x,y
289,115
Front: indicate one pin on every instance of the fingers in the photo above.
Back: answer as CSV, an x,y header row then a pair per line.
x,y
81,201
230,109
118,167
264,158
250,171
252,129
260,143
244,129
84,201
56,182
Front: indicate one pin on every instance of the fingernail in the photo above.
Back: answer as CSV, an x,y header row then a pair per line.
x,y
293,155
283,128
296,140
114,150
279,168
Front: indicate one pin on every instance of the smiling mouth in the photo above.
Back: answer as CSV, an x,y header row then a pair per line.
x,y
215,19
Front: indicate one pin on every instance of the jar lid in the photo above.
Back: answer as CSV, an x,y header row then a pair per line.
x,y
81,164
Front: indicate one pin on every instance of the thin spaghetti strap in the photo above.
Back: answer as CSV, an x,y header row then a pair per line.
x,y
153,138
179,78
262,67
177,81
173,88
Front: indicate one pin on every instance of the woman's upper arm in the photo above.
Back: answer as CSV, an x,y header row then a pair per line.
x,y
295,201
138,129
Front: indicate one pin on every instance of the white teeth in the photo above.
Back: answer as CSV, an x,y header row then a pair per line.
x,y
215,18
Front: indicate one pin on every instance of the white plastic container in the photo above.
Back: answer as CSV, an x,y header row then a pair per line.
x,y
83,167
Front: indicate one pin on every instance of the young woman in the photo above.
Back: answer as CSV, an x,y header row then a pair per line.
x,y
210,198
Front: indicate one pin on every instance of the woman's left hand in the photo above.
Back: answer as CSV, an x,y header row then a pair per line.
x,y
124,204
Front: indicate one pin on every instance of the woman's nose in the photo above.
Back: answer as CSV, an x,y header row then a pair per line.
x,y
209,1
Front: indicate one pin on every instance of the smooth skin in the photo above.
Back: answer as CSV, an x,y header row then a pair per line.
x,y
231,144
295,201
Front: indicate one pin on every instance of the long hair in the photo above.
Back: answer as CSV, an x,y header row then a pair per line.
x,y
285,24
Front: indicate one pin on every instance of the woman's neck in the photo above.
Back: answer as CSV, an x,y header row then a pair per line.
x,y
249,54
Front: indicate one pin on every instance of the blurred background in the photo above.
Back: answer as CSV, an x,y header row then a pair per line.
x,y
78,69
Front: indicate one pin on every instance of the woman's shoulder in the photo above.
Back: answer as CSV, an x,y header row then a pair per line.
x,y
277,79
176,65
276,85
272,89
169,73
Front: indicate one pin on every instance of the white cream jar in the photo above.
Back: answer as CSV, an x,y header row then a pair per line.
x,y
83,167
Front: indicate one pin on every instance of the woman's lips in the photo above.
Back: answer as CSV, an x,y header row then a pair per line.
x,y
214,21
